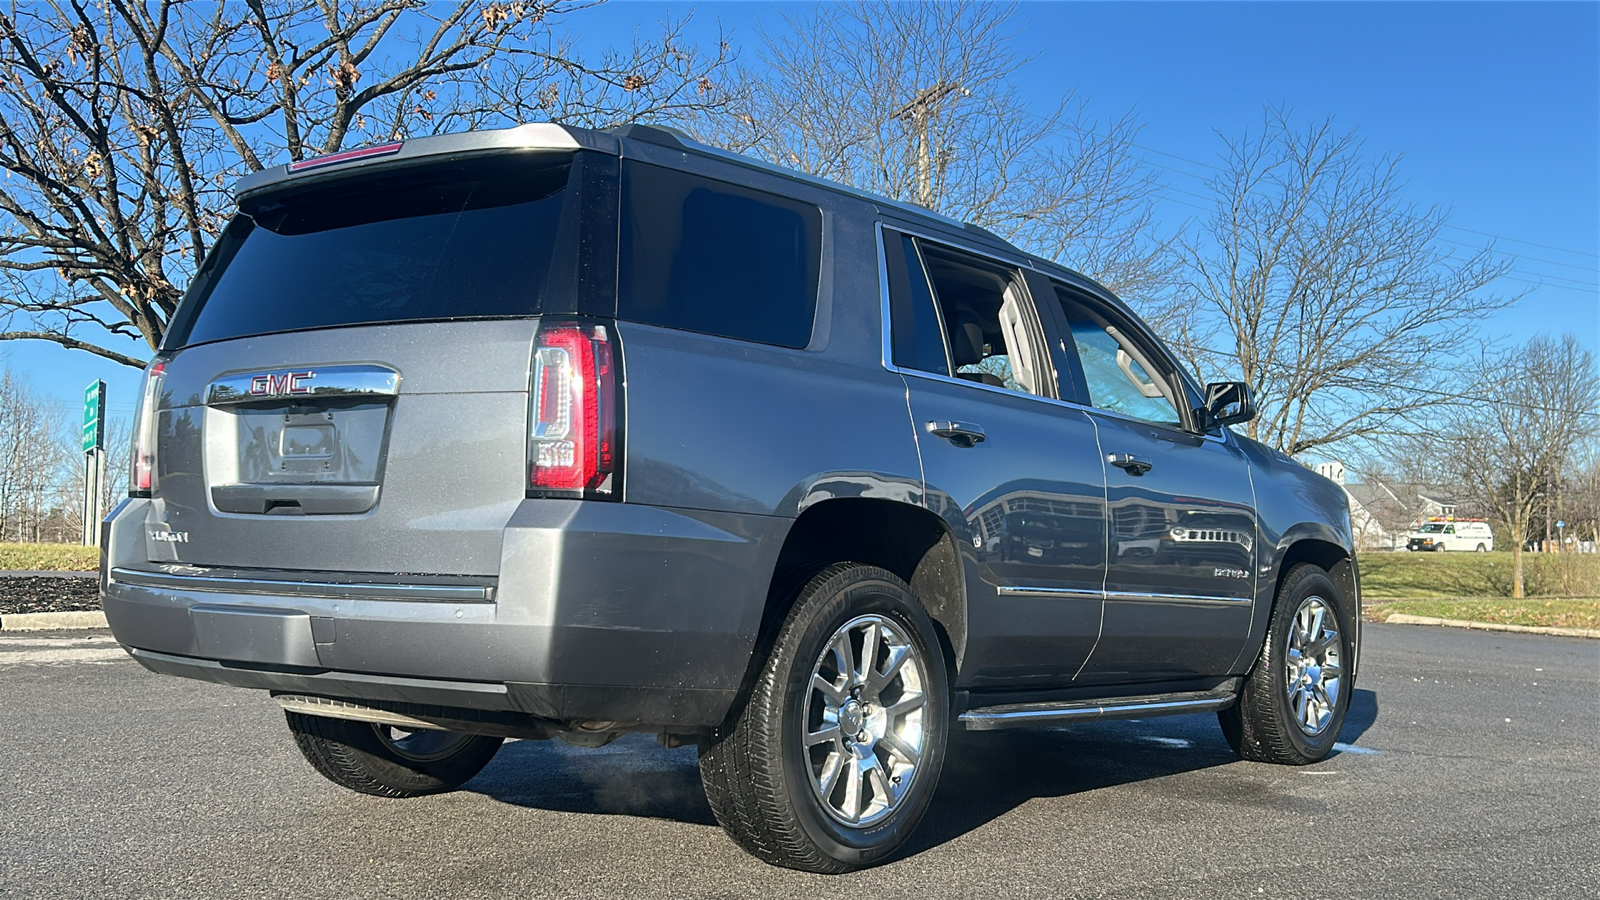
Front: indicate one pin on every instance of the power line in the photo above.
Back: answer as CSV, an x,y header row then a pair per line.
x,y
1500,237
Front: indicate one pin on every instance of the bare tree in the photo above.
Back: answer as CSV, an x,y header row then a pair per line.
x,y
124,123
31,457
1315,282
918,103
1536,405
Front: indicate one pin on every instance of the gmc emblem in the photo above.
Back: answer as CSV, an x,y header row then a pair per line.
x,y
285,383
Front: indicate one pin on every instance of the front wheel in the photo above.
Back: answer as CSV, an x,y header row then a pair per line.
x,y
831,762
389,762
1295,698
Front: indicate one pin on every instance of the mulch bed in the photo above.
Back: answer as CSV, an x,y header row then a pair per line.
x,y
42,593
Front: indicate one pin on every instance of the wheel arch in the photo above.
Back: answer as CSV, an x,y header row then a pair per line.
x,y
1317,545
906,539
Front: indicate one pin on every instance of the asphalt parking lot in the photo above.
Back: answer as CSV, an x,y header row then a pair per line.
x,y
1470,768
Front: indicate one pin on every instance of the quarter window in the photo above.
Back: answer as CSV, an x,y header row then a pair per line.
x,y
717,258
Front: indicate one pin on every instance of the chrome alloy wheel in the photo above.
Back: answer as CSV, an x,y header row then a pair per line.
x,y
864,727
1314,665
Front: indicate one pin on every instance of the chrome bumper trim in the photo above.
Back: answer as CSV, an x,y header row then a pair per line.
x,y
342,590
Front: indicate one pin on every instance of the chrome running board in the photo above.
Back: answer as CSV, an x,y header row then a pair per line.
x,y
1011,715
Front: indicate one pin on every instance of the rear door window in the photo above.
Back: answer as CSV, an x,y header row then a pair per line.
x,y
989,333
468,239
717,258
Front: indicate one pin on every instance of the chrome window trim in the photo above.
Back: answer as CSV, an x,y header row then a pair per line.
x,y
327,381
324,589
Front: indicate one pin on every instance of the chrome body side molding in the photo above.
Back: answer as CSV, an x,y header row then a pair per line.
x,y
276,587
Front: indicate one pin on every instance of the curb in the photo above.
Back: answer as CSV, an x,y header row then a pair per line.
x,y
52,621
1407,619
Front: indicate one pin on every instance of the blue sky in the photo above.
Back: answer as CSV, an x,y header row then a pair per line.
x,y
1494,106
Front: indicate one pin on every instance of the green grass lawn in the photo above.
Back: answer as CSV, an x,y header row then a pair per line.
x,y
49,557
1430,576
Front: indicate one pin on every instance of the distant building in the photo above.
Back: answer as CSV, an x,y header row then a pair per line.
x,y
1382,512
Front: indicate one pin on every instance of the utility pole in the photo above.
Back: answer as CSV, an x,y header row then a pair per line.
x,y
917,113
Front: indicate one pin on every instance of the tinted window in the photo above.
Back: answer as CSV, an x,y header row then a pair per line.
x,y
918,336
716,258
981,305
464,240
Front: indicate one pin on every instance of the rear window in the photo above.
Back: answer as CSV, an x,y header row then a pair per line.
x,y
716,258
469,239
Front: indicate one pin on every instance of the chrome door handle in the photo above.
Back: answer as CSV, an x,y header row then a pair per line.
x,y
962,434
1129,463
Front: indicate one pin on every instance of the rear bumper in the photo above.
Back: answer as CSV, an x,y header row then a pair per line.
x,y
601,611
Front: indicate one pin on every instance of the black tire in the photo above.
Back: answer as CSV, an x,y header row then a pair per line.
x,y
762,777
1439,547
1482,549
1264,725
373,759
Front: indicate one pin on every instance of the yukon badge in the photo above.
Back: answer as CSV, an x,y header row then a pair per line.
x,y
170,537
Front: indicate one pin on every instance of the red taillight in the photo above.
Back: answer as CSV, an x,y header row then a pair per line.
x,y
572,424
142,459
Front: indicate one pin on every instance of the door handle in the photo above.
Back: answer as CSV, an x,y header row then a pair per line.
x,y
1129,463
962,434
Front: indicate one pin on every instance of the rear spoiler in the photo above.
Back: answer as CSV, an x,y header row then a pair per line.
x,y
423,149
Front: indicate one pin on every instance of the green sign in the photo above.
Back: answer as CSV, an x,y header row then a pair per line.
x,y
94,404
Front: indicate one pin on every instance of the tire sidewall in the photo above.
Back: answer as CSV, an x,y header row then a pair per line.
x,y
1301,584
887,597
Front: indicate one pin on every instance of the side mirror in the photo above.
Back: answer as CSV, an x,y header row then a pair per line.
x,y
1227,403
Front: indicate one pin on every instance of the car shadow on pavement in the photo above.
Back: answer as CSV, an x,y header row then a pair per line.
x,y
634,776
1362,713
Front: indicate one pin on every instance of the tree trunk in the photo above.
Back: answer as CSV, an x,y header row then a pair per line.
x,y
1516,570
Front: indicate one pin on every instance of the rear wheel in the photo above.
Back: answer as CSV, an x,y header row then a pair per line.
x,y
833,759
1295,698
1482,549
390,762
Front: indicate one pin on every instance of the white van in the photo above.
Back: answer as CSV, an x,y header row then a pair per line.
x,y
1446,534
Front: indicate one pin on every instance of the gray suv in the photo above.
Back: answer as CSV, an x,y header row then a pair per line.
x,y
548,432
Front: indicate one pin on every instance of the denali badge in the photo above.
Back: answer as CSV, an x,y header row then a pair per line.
x,y
170,537
1231,573
281,383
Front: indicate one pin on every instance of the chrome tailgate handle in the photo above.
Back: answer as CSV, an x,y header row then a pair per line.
x,y
1129,463
962,434
304,383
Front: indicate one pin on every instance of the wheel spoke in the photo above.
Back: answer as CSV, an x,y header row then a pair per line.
x,y
880,782
877,681
828,778
908,703
846,657
829,689
894,744
829,732
854,782
870,638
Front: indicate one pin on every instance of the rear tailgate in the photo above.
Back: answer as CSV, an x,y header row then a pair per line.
x,y
418,475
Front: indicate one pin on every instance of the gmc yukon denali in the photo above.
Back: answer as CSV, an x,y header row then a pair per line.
x,y
548,432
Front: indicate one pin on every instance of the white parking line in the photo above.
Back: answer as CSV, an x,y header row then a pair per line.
x,y
83,654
